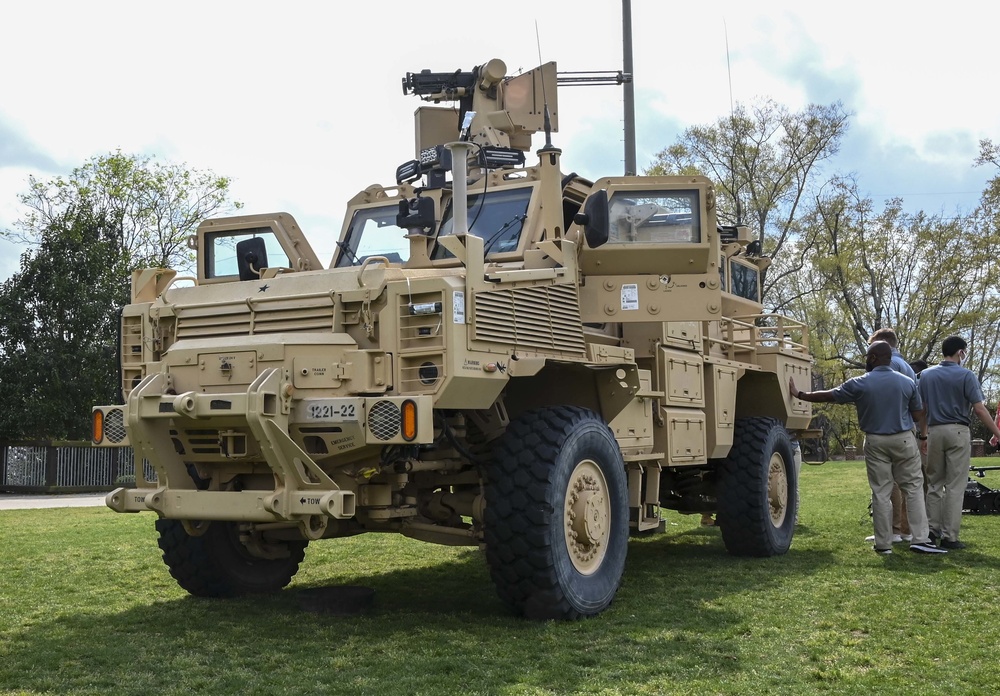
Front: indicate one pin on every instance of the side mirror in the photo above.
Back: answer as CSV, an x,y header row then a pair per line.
x,y
251,258
595,219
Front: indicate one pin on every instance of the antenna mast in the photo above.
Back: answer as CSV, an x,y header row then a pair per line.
x,y
629,88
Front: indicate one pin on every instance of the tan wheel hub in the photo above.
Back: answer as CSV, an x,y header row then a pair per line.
x,y
777,489
587,517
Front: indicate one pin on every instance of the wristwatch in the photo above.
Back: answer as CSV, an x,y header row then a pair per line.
x,y
921,437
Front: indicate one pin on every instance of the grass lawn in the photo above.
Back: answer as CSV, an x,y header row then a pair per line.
x,y
87,607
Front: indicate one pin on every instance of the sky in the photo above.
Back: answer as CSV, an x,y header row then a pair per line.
x,y
301,104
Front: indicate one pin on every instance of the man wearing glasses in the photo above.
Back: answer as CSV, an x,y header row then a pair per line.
x,y
950,394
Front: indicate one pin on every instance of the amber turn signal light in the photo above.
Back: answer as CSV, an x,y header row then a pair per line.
x,y
409,420
97,426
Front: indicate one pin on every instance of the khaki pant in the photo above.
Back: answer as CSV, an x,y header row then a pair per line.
x,y
900,525
889,459
949,451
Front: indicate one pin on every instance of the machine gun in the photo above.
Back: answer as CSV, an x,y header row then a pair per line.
x,y
440,85
981,499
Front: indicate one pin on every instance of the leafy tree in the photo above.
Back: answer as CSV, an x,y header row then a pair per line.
x,y
59,314
152,207
58,335
924,275
764,161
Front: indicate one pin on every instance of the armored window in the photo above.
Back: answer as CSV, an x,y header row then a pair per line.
x,y
744,281
667,217
373,232
220,247
498,217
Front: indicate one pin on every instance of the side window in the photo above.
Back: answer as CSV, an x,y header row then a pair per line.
x,y
666,217
220,257
722,274
744,281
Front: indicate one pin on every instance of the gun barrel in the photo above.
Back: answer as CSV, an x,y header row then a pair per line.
x,y
426,82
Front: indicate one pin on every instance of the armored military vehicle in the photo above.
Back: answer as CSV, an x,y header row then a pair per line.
x,y
499,354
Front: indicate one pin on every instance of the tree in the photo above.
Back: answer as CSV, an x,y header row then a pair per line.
x,y
764,161
925,276
59,332
59,314
152,207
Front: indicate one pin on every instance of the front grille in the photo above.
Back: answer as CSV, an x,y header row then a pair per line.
x,y
247,318
114,425
383,420
543,318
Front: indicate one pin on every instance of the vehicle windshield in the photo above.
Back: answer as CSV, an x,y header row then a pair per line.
x,y
655,216
498,217
373,232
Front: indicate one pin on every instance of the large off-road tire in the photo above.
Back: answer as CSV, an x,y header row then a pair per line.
x,y
758,490
557,514
217,564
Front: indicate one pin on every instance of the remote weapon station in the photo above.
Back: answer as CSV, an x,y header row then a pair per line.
x,y
498,355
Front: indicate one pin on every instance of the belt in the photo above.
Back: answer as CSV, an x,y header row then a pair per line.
x,y
951,423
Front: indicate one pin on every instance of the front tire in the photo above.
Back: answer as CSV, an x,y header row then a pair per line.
x,y
217,564
758,490
557,514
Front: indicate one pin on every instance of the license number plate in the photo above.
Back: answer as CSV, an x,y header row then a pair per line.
x,y
332,410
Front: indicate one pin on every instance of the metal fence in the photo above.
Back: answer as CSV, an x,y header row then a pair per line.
x,y
47,467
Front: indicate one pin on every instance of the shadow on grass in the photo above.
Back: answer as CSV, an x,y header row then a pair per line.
x,y
433,629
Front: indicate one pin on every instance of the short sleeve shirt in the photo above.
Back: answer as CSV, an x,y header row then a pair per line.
x,y
949,390
884,399
900,365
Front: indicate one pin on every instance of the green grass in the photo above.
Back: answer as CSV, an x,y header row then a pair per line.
x,y
87,607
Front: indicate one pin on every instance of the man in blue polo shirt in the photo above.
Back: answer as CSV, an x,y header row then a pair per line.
x,y
887,403
900,526
951,393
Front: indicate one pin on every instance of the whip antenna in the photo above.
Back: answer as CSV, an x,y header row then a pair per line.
x,y
545,99
732,123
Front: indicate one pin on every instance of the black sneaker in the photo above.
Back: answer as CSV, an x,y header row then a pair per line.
x,y
882,552
949,544
933,536
926,548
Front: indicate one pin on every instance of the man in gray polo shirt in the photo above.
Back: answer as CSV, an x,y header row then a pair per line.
x,y
887,403
951,393
900,526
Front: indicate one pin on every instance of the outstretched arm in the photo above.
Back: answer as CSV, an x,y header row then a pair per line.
x,y
816,396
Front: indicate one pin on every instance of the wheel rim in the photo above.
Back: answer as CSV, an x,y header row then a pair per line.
x,y
587,513
777,489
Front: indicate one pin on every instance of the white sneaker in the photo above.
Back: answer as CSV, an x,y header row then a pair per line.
x,y
896,538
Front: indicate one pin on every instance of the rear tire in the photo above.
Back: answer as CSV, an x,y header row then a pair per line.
x,y
758,490
217,564
557,514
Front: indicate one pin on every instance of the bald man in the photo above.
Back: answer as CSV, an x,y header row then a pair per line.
x,y
888,403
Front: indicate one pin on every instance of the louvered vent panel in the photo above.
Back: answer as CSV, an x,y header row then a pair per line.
x,y
286,315
540,318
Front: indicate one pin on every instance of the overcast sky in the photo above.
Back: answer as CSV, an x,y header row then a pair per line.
x,y
301,103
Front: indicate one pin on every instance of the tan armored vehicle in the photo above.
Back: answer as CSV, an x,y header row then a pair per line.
x,y
499,355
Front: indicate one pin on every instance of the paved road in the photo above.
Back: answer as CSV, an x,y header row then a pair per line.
x,y
9,501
